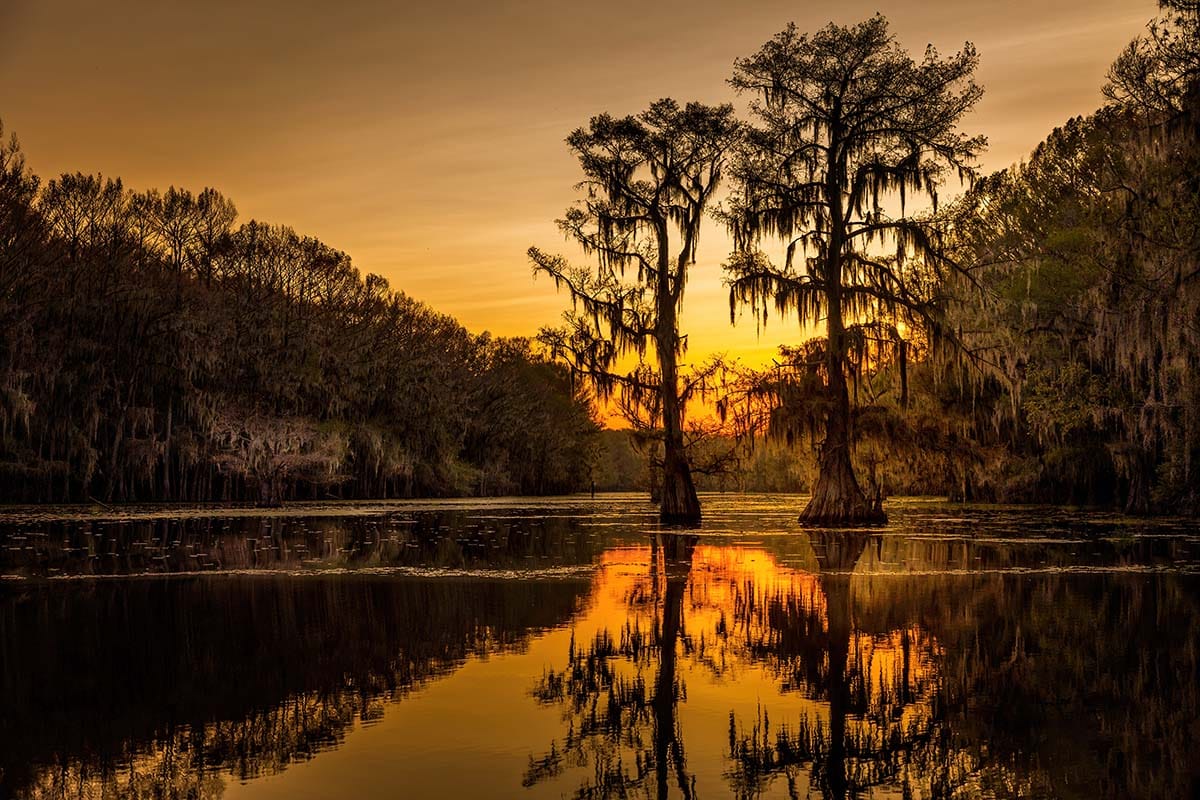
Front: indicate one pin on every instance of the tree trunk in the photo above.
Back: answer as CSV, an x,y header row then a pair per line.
x,y
655,479
680,505
837,499
1141,471
270,493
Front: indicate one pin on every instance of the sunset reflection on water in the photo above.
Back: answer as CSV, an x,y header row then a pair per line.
x,y
580,651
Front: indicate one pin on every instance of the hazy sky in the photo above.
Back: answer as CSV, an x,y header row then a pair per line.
x,y
426,139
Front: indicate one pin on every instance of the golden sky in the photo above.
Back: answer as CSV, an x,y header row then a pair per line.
x,y
426,139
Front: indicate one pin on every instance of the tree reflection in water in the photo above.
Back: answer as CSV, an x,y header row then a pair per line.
x,y
939,684
881,726
984,685
910,662
421,539
166,688
612,713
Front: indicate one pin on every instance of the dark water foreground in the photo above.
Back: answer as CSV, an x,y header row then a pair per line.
x,y
570,648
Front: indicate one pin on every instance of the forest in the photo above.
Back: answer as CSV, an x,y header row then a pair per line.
x,y
1035,337
155,349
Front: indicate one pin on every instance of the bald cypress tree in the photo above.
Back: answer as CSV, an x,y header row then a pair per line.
x,y
647,182
847,128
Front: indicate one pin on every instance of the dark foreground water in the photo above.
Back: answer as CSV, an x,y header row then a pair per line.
x,y
569,648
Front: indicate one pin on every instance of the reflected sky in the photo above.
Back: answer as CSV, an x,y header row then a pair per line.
x,y
961,652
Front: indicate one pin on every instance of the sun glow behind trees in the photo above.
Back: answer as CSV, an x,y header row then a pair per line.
x,y
891,274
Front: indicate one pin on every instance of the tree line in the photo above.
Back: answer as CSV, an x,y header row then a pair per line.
x,y
155,349
1036,339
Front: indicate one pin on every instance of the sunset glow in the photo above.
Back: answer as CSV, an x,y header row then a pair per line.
x,y
427,141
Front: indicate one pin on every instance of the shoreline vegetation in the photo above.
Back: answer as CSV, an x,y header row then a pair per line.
x,y
1035,339
157,352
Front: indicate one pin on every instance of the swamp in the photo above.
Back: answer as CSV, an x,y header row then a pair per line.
x,y
570,647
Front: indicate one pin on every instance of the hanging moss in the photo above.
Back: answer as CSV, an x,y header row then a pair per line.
x,y
848,127
648,182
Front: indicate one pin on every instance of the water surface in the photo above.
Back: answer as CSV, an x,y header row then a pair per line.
x,y
572,648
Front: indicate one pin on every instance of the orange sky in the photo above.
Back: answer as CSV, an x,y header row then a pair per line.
x,y
427,140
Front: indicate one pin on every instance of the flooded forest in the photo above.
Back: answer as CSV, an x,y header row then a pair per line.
x,y
1034,337
273,527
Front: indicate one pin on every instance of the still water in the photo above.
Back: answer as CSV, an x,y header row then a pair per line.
x,y
572,648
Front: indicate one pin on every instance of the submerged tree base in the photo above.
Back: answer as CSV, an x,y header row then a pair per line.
x,y
680,505
838,502
689,520
686,512
843,516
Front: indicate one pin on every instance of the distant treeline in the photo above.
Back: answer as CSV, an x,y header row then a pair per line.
x,y
154,349
1085,319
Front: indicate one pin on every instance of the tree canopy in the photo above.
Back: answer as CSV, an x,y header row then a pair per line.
x,y
847,127
648,181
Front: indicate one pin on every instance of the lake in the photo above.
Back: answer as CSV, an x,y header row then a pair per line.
x,y
570,647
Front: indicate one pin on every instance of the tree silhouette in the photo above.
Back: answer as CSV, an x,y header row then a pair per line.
x,y
848,124
647,182
609,711
154,349
1159,73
